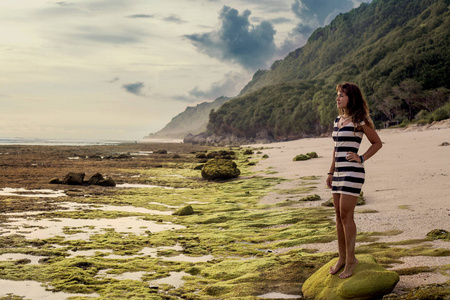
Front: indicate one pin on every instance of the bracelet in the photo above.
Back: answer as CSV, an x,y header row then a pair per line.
x,y
330,173
361,158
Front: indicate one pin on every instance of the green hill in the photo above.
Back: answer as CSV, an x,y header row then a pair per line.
x,y
193,120
397,51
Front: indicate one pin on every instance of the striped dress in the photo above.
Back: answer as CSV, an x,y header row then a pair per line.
x,y
348,176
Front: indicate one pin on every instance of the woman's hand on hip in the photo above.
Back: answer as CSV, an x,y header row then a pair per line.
x,y
352,156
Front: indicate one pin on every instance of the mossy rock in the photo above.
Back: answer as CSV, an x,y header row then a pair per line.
x,y
312,154
361,201
369,281
314,197
439,234
220,169
432,291
184,211
248,152
301,157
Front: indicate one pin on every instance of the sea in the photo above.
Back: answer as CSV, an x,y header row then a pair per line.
x,y
78,142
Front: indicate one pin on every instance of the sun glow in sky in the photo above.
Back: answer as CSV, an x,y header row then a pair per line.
x,y
120,69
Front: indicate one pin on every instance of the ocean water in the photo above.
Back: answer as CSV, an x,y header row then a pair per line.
x,y
77,142
57,142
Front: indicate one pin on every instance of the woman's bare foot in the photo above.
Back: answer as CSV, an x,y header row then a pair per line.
x,y
348,270
340,263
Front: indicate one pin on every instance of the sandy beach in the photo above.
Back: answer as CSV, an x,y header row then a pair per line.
x,y
407,183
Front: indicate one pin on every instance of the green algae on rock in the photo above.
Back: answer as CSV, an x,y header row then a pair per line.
x,y
217,169
369,280
184,211
439,234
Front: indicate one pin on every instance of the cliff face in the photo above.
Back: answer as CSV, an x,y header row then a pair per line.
x,y
192,121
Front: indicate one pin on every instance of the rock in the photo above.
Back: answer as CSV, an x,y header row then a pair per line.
x,y
95,179
301,157
98,179
55,181
312,154
310,198
73,178
369,281
215,169
107,182
248,152
439,234
185,211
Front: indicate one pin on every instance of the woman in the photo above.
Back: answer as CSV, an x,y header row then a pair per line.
x,y
346,175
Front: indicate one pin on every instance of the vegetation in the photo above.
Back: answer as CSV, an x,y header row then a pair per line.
x,y
397,51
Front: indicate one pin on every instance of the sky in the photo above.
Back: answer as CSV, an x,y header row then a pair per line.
x,y
121,69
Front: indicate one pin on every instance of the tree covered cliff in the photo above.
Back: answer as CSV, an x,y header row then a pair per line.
x,y
397,51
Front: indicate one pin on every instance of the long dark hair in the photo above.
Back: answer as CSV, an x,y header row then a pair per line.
x,y
357,105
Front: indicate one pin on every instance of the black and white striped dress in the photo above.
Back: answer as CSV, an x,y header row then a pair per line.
x,y
348,176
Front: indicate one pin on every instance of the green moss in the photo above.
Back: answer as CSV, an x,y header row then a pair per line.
x,y
439,234
314,197
404,207
309,177
229,224
414,270
298,190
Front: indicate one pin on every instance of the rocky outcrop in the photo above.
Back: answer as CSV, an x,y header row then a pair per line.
x,y
73,178
220,169
369,281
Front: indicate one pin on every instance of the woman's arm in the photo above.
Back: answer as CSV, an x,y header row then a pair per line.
x,y
330,176
374,139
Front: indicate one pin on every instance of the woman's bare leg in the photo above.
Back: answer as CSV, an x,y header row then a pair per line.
x,y
340,234
346,212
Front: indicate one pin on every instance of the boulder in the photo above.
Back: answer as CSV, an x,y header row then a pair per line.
x,y
96,178
73,178
184,211
220,169
107,182
369,281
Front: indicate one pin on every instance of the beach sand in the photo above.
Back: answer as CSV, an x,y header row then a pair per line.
x,y
407,183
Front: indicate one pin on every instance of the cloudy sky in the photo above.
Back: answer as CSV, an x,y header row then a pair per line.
x,y
120,69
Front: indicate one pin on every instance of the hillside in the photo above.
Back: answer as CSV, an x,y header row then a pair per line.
x,y
397,51
193,120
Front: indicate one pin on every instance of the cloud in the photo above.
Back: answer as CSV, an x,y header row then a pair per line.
x,y
229,86
312,14
63,3
174,19
280,20
135,88
141,16
250,46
